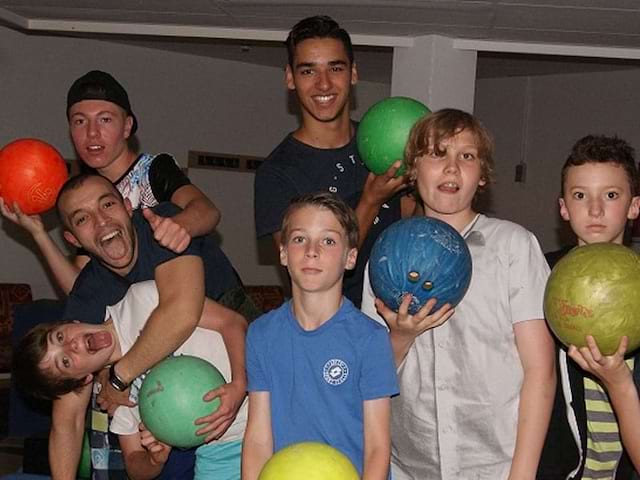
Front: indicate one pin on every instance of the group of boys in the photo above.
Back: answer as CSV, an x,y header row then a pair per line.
x,y
476,383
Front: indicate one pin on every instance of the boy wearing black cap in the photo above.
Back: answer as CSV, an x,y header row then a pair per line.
x,y
101,121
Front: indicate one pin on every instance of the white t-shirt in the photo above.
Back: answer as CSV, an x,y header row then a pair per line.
x,y
457,413
129,316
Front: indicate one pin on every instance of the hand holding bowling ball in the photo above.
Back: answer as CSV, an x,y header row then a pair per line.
x,y
423,257
171,399
595,290
611,370
31,223
31,175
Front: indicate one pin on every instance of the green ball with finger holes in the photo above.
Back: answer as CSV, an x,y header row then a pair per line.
x,y
171,399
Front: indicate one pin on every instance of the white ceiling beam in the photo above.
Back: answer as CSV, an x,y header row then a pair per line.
x,y
13,19
547,49
184,31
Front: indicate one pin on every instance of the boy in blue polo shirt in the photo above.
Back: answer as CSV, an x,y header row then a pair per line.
x,y
319,369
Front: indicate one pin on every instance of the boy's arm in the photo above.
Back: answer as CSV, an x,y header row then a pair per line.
x,y
377,438
404,328
536,351
144,456
377,190
257,445
626,405
67,432
233,328
64,271
199,216
614,373
180,284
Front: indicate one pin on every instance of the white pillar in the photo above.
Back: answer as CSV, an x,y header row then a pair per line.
x,y
435,73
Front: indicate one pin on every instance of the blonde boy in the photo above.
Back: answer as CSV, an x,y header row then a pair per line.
x,y
475,392
318,369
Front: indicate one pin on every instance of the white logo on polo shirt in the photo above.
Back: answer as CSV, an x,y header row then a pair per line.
x,y
335,371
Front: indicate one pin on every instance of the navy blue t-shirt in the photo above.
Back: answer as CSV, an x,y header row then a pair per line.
x,y
295,169
97,286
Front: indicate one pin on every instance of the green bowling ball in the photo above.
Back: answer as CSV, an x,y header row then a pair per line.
x,y
384,130
595,290
309,461
170,399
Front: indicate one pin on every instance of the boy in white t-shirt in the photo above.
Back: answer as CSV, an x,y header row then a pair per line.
x,y
70,353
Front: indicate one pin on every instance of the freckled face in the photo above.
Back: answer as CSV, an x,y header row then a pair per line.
x,y
448,182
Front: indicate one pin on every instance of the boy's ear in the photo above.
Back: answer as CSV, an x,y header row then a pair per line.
x,y
354,73
352,256
128,125
128,206
88,379
283,256
288,78
71,238
564,212
634,208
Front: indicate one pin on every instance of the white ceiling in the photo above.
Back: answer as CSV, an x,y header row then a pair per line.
x,y
580,28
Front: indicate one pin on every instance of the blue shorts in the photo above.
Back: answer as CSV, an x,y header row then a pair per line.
x,y
219,460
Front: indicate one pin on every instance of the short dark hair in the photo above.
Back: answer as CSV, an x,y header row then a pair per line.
x,y
25,368
328,201
76,182
431,130
319,26
603,149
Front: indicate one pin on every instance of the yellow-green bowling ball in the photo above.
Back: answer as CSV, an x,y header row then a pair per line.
x,y
595,290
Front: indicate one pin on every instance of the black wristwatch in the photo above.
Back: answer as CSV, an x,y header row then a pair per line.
x,y
115,381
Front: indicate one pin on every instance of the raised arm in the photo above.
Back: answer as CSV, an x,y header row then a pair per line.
x,y
67,431
536,350
377,190
64,271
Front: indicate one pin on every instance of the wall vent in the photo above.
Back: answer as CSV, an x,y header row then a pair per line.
x,y
223,161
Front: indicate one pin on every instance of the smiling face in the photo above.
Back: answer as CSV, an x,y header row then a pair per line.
x,y
322,76
447,179
77,350
99,130
316,251
597,202
99,220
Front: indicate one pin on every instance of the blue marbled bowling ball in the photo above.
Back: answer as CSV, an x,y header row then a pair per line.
x,y
424,257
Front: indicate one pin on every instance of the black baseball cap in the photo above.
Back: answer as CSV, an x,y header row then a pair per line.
x,y
97,85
